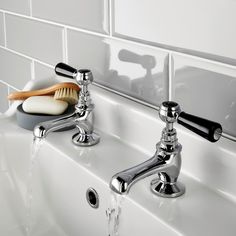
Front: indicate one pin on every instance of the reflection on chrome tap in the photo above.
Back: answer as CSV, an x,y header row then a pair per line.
x,y
145,86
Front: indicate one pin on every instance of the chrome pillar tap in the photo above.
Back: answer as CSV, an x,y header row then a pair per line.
x,y
82,117
166,162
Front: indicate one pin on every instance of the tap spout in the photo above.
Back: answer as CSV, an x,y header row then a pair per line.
x,y
165,163
122,181
44,128
82,119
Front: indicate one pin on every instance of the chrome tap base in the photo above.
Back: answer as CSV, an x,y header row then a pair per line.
x,y
85,140
167,190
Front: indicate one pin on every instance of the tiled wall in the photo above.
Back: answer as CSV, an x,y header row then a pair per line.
x,y
154,50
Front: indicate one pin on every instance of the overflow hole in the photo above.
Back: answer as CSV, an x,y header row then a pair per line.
x,y
92,198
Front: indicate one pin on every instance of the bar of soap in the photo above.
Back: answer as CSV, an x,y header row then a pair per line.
x,y
44,105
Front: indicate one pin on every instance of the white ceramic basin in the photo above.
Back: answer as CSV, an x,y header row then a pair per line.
x,y
62,173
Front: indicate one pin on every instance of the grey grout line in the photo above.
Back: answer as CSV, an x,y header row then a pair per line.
x,y
110,18
44,63
9,85
4,29
170,77
30,6
8,92
65,45
33,70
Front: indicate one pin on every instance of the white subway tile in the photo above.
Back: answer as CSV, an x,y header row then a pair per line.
x,y
36,39
22,6
14,70
131,68
206,89
3,101
43,72
203,26
2,40
89,14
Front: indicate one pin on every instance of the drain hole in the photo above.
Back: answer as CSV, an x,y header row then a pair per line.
x,y
92,198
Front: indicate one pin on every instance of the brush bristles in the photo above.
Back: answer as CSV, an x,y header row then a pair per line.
x,y
67,95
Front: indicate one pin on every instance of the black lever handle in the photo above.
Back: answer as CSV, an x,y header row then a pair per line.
x,y
65,70
207,129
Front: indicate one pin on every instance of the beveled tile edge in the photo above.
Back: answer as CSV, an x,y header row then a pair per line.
x,y
124,39
3,99
20,56
229,62
106,22
45,23
215,64
118,39
111,17
203,63
3,30
213,57
107,19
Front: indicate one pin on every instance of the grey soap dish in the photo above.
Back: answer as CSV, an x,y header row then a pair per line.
x,y
29,120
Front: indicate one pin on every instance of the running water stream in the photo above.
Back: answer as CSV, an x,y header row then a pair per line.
x,y
113,213
37,143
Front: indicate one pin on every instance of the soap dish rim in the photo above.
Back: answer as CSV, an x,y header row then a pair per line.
x,y
30,120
